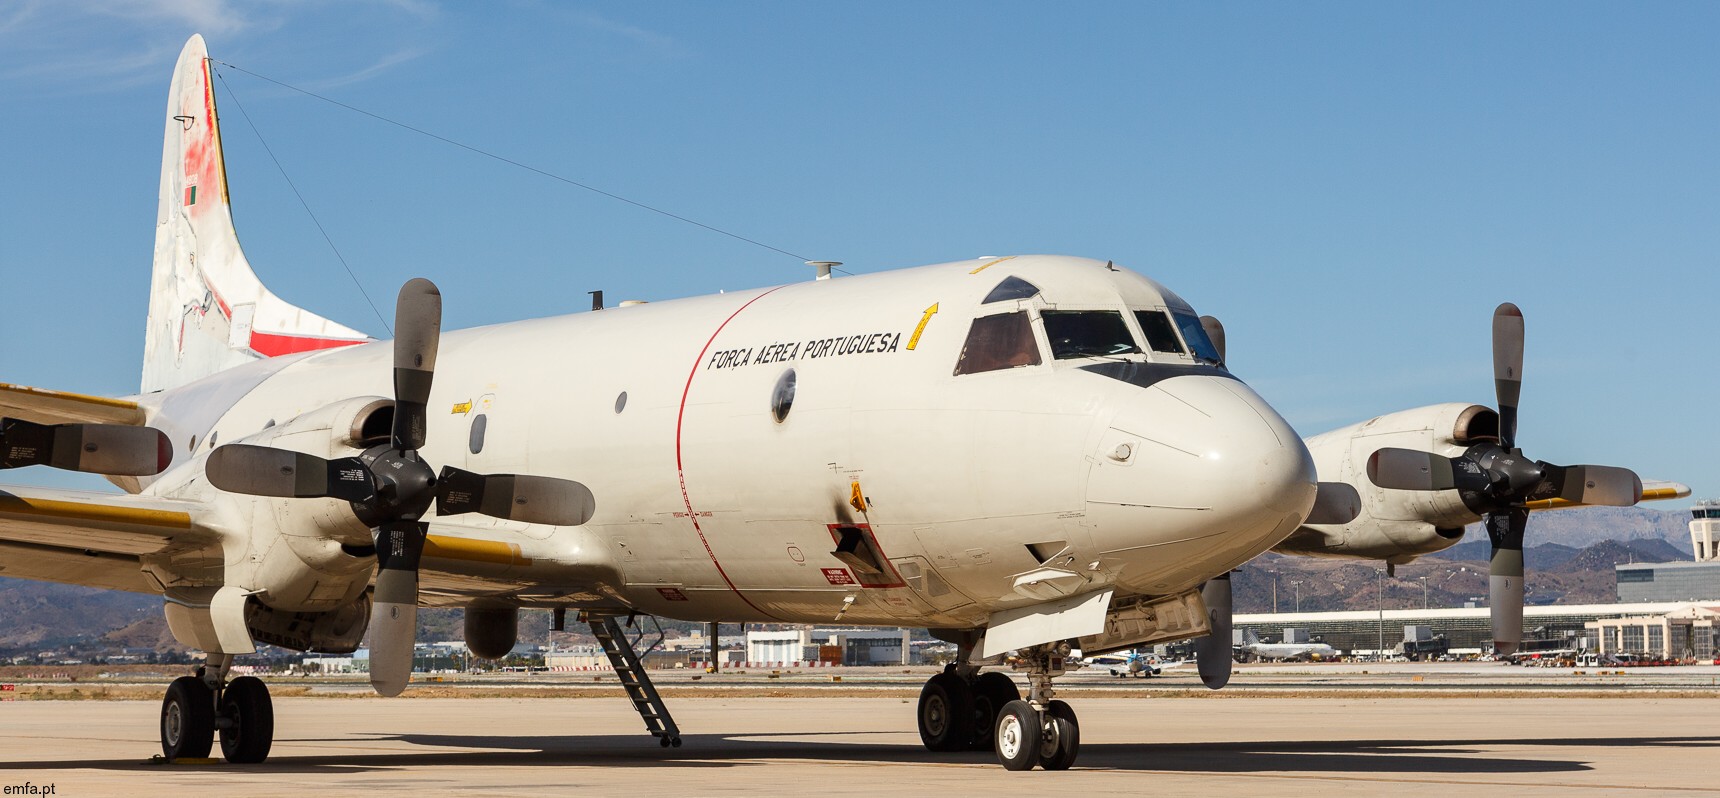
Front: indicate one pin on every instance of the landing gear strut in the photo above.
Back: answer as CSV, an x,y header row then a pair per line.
x,y
962,709
196,707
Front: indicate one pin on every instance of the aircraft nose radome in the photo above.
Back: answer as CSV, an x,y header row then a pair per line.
x,y
1255,465
1219,472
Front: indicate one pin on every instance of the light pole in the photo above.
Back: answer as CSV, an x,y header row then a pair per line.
x,y
1381,602
1274,591
1298,585
1423,591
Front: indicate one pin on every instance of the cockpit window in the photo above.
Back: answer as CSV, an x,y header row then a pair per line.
x,y
1161,335
1003,341
1195,335
1085,333
1012,287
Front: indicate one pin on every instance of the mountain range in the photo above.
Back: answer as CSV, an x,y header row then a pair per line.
x,y
1569,560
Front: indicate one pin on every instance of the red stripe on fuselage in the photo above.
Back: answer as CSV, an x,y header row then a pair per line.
x,y
680,470
274,345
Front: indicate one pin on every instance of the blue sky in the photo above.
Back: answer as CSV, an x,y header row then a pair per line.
x,y
1352,188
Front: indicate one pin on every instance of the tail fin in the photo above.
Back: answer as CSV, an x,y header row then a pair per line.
x,y
207,309
1250,638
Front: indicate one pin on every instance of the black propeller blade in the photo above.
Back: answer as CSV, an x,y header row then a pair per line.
x,y
267,471
391,487
534,500
108,449
418,330
1496,481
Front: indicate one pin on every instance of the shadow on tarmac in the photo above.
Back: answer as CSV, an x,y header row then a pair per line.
x,y
1464,756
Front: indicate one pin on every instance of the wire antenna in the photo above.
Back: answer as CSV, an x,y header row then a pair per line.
x,y
514,163
307,205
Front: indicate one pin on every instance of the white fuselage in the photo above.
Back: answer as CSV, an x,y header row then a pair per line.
x,y
1148,479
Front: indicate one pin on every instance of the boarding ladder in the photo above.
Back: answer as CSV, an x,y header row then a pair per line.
x,y
632,674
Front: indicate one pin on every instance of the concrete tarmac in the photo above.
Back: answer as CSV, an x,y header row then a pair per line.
x,y
867,746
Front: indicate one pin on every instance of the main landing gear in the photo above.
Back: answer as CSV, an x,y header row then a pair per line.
x,y
962,709
197,707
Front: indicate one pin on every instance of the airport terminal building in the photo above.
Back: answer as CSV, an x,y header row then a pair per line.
x,y
1663,608
1462,627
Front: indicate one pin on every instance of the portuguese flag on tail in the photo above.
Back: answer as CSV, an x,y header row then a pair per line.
x,y
191,195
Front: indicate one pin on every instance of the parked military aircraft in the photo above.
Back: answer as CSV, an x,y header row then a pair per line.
x,y
1025,454
1251,646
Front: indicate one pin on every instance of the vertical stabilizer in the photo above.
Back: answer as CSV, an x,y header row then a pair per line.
x,y
207,309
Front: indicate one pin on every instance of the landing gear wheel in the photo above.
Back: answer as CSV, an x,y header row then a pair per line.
x,y
187,719
946,713
990,692
1018,736
1062,737
250,715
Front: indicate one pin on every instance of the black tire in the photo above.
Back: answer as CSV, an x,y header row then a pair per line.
x,y
1062,741
1018,736
990,692
251,730
187,719
946,713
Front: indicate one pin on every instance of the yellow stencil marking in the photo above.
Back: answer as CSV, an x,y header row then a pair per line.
x,y
990,263
856,498
463,407
914,340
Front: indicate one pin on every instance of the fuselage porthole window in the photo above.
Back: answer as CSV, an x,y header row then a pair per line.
x,y
1195,334
1087,333
782,396
1001,341
1161,334
620,402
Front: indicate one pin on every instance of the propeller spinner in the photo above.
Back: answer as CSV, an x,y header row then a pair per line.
x,y
391,487
1495,480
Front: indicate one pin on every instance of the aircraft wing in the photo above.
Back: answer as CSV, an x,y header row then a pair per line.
x,y
59,407
91,539
1652,490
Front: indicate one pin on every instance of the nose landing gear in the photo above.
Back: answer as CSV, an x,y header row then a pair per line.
x,y
962,709
197,707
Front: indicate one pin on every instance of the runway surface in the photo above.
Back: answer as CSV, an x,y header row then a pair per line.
x,y
1542,745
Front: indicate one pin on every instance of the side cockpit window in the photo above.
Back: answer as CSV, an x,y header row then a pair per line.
x,y
1087,333
1161,334
1003,341
1195,334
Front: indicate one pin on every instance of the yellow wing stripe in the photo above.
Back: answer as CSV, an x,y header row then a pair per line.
x,y
490,551
44,406
95,513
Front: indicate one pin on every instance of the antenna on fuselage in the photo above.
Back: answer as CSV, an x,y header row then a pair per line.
x,y
596,299
823,267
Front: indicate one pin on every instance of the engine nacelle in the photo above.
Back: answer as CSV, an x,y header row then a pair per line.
x,y
321,556
336,631
1394,525
491,631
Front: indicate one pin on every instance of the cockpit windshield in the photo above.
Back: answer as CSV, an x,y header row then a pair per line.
x,y
1087,333
1195,334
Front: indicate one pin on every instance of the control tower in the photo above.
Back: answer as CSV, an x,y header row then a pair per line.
x,y
1705,530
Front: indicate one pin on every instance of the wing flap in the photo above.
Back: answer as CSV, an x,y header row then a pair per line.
x,y
87,568
60,407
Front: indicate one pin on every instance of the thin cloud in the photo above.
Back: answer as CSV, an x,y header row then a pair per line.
x,y
387,63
